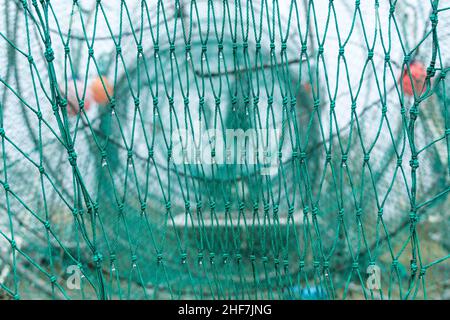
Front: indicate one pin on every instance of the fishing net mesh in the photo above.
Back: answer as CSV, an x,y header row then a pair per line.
x,y
224,149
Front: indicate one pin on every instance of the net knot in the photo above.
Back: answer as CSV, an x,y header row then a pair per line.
x,y
387,57
395,263
353,106
304,48
264,259
140,49
341,50
293,101
301,264
53,279
118,49
130,153
399,162
97,257
413,216
320,50
305,210
366,157
272,46
47,225
406,59
359,212
370,54
414,162
13,244
270,100
143,206
112,257
2,132
187,205
159,257
245,44
241,206
332,104
150,153
30,59
384,109
316,103
316,264
24,4
238,257
276,261
204,48
414,112
41,169
380,212
49,54
255,206
413,266
155,101
290,210
392,9
283,45
252,257
434,19
285,263
357,4
258,45
266,207
136,102
328,157
344,158
255,100
423,271
168,205
212,204
72,158
315,210
326,264
199,205
302,156
134,258
172,47
275,209
183,257
341,213
355,265
91,52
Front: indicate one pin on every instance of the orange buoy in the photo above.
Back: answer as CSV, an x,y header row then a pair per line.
x,y
418,75
74,94
101,90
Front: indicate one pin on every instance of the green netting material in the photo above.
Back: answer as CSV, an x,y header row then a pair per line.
x,y
348,178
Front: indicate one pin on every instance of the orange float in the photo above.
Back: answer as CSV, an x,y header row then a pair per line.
x,y
101,90
418,75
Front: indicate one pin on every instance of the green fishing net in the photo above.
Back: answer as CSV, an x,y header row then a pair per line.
x,y
229,149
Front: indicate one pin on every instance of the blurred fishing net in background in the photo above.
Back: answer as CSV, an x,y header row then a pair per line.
x,y
333,184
